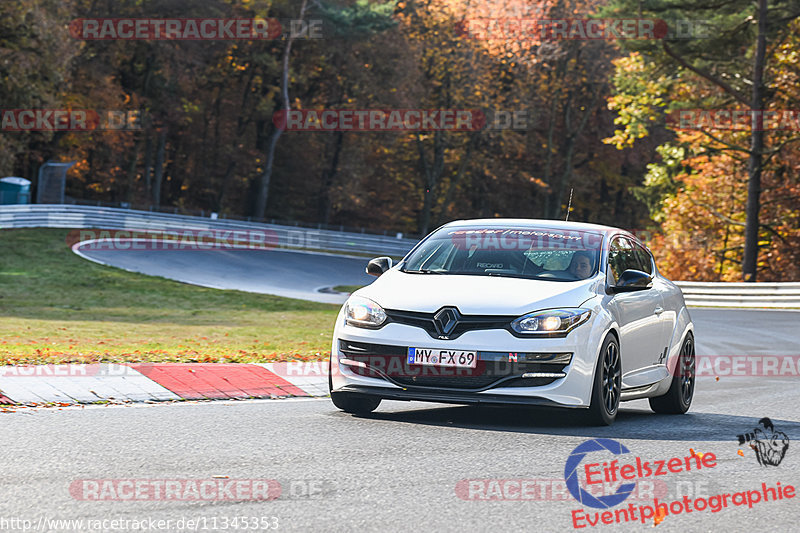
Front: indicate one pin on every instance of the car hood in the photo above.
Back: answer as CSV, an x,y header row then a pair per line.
x,y
476,295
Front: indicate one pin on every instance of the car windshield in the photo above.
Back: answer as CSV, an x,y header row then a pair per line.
x,y
556,255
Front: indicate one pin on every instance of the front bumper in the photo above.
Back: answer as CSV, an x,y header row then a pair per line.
x,y
449,396
572,390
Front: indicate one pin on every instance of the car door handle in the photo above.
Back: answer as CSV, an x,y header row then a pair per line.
x,y
659,310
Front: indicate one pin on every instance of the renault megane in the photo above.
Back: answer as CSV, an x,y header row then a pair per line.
x,y
514,311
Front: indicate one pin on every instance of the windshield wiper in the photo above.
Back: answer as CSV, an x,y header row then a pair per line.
x,y
425,271
507,275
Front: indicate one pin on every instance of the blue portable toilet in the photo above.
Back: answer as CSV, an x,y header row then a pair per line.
x,y
15,190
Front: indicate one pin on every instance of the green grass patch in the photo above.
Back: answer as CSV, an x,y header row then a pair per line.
x,y
347,288
58,307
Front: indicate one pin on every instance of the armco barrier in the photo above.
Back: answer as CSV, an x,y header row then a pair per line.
x,y
697,294
80,217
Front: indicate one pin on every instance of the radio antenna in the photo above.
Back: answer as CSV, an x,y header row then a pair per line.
x,y
569,205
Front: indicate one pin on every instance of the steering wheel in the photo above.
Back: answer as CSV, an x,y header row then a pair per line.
x,y
565,275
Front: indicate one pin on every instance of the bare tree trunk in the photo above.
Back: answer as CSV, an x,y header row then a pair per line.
x,y
242,121
132,171
328,177
548,167
266,177
431,175
456,179
750,259
572,139
329,174
553,200
158,174
263,188
148,165
223,190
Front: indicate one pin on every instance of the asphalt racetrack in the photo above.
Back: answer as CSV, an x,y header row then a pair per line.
x,y
403,468
411,466
281,272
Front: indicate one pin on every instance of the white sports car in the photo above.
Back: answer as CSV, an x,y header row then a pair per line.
x,y
517,311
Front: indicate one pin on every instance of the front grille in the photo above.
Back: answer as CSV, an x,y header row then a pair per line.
x,y
492,369
464,382
465,322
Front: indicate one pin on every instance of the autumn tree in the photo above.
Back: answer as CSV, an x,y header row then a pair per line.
x,y
35,57
728,60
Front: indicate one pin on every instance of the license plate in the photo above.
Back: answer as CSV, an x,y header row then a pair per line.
x,y
436,357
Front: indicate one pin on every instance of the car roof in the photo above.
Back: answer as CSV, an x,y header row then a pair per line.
x,y
533,223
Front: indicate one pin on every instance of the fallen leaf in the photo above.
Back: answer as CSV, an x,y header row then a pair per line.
x,y
660,514
699,455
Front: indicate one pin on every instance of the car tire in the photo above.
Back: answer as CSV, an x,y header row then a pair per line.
x,y
356,404
678,398
607,384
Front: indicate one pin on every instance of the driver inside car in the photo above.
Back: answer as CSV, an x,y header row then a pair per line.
x,y
581,265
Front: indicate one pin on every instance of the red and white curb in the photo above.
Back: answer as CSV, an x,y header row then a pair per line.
x,y
151,382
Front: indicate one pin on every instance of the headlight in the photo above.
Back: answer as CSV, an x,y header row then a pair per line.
x,y
363,313
550,321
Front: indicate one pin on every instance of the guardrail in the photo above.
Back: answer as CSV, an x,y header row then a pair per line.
x,y
699,294
211,214
86,217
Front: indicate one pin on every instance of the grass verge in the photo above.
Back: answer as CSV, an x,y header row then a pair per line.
x,y
347,288
56,307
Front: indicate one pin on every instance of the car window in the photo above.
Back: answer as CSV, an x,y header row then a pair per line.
x,y
431,254
550,260
621,257
645,260
547,254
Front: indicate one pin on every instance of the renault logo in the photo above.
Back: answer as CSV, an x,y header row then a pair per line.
x,y
445,321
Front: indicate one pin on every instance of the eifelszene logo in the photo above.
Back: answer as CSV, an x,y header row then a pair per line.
x,y
769,444
579,475
571,474
582,473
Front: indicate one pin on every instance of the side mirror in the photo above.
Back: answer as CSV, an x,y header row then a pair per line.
x,y
379,265
633,280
